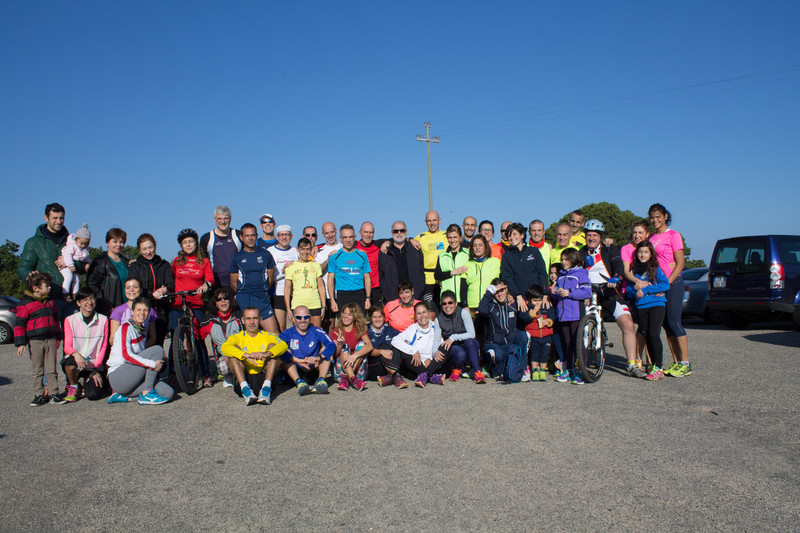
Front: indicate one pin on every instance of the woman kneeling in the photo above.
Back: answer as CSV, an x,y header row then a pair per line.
x,y
415,348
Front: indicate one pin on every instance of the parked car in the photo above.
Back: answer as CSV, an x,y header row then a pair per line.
x,y
756,279
8,316
695,295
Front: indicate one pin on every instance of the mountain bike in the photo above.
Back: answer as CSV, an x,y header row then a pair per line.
x,y
183,348
590,352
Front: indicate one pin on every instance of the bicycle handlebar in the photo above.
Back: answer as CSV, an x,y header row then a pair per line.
x,y
182,294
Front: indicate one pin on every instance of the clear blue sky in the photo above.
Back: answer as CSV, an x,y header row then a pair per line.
x,y
145,115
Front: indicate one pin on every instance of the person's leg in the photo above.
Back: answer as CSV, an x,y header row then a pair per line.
x,y
498,354
279,308
625,323
91,390
51,366
36,351
567,333
458,354
126,379
392,364
375,368
676,335
316,317
202,351
154,353
409,363
653,335
435,366
70,370
473,350
66,285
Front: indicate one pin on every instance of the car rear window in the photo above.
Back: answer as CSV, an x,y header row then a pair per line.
x,y
746,256
693,275
790,250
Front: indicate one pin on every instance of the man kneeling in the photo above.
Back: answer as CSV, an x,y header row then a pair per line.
x,y
253,358
309,354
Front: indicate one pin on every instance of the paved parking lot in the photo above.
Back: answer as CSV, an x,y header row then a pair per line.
x,y
718,450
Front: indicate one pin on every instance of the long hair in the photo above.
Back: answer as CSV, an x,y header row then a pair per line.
x,y
200,254
487,249
650,267
359,322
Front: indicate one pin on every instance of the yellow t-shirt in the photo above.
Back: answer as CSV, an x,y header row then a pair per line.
x,y
241,343
555,254
431,245
304,283
578,241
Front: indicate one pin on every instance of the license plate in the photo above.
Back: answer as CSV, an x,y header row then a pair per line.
x,y
719,282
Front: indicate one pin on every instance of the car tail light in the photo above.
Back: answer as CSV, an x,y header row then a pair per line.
x,y
13,310
776,276
686,294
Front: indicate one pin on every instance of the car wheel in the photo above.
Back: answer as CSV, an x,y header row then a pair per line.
x,y
712,317
6,334
733,320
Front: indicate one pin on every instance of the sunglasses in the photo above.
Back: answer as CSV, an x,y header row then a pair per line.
x,y
448,303
268,221
222,297
309,235
398,231
302,317
504,289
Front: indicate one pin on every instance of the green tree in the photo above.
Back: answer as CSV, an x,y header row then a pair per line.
x,y
618,223
10,284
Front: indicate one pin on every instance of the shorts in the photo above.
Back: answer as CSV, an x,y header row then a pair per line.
x,y
614,305
345,297
253,300
430,295
279,302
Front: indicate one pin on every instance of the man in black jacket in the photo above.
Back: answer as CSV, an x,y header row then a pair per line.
x,y
501,316
400,262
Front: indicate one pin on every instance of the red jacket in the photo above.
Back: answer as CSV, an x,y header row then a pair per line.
x,y
36,320
189,276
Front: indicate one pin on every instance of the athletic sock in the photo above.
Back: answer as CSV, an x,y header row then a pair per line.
x,y
268,383
685,363
631,364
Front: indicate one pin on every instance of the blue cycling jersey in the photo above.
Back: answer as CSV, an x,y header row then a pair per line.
x,y
314,342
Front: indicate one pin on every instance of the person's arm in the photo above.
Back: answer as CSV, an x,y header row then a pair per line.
x,y
208,274
626,269
485,305
680,262
321,289
27,260
332,291
661,284
366,349
94,278
128,353
151,334
102,351
328,346
438,273
584,288
66,253
69,348
401,341
468,325
113,327
368,290
287,297
437,334
230,348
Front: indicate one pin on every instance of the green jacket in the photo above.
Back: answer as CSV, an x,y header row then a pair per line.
x,y
479,276
443,268
40,253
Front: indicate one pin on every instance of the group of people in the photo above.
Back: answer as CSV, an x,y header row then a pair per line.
x,y
444,305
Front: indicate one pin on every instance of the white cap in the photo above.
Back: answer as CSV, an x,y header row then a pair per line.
x,y
266,215
282,228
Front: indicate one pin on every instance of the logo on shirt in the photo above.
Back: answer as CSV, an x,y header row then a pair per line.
x,y
259,259
511,314
311,344
244,260
440,246
294,344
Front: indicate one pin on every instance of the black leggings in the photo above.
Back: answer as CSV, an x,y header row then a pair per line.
x,y
569,332
650,320
90,388
375,366
399,358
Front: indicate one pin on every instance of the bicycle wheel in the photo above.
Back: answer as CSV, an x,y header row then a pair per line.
x,y
590,352
184,357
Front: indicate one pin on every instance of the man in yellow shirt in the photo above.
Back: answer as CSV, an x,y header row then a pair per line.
x,y
253,357
578,238
563,234
432,243
536,231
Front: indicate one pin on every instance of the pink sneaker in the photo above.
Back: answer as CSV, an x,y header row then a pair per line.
x,y
455,375
344,384
437,379
385,381
358,384
655,374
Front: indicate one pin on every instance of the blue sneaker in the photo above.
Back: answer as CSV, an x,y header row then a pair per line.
x,y
302,387
321,386
575,377
118,398
247,394
265,396
562,376
152,398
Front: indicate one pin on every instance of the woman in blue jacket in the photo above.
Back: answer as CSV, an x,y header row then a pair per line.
x,y
570,290
650,303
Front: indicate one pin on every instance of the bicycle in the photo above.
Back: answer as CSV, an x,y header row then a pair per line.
x,y
590,353
183,349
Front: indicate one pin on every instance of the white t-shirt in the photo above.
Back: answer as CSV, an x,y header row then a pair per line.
x,y
322,255
281,257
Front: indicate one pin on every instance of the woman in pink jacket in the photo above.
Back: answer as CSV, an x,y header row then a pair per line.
x,y
85,344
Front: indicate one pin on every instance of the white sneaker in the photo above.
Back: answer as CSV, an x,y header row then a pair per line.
x,y
227,382
526,376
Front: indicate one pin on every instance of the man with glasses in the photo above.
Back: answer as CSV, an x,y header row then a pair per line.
x,y
267,238
486,228
221,244
349,274
401,261
284,255
310,233
501,317
432,242
310,353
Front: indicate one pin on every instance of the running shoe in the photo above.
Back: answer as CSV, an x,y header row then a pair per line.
x,y
385,381
73,393
321,386
636,372
455,375
59,399
479,377
541,375
247,394
682,370
227,381
670,368
344,384
655,373
118,398
207,383
562,376
302,387
152,398
437,379
358,384
265,396
399,382
39,399
575,377
421,380
526,376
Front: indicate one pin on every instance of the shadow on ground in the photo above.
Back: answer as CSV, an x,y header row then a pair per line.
x,y
777,338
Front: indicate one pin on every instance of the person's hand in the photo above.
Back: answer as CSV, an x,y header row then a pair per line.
x,y
97,378
60,263
415,243
385,246
286,265
334,307
73,269
438,356
160,292
416,358
553,290
20,350
639,294
460,270
564,293
447,344
546,302
641,285
368,303
302,363
80,362
202,288
159,365
589,261
612,282
522,305
659,294
608,241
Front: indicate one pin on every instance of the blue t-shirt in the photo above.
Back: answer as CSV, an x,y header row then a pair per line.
x,y
261,243
314,342
384,336
349,269
252,268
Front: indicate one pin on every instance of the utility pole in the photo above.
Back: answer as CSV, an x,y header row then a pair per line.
x,y
428,139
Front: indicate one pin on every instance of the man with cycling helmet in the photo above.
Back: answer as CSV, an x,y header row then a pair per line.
x,y
604,265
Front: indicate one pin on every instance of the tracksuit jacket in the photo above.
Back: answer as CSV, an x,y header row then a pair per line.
x,y
576,281
522,268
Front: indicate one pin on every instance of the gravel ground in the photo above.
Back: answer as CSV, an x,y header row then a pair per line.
x,y
717,450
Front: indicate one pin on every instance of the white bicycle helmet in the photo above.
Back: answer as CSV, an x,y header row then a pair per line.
x,y
594,225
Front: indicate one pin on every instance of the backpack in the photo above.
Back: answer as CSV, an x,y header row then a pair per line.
x,y
516,363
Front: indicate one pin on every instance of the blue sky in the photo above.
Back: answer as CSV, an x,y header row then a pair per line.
x,y
146,115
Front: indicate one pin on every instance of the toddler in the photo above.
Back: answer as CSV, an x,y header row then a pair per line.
x,y
75,250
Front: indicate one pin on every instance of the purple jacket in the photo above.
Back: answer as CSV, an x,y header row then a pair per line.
x,y
576,281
